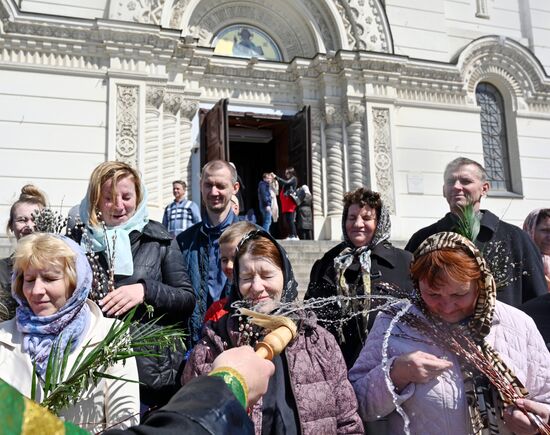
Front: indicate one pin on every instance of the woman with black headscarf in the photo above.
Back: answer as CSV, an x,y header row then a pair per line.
x,y
355,267
310,392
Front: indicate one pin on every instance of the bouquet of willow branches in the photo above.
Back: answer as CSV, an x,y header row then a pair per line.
x,y
458,341
62,387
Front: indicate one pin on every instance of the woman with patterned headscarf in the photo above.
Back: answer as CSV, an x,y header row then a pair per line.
x,y
356,267
440,392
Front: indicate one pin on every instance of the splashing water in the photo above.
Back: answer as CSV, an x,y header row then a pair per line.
x,y
386,367
298,311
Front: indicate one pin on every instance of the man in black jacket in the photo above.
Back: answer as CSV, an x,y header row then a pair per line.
x,y
513,258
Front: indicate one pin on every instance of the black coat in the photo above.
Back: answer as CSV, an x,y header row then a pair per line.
x,y
512,256
304,214
388,264
158,265
204,406
7,303
539,310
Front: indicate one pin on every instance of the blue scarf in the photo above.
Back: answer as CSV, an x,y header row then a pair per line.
x,y
41,333
103,240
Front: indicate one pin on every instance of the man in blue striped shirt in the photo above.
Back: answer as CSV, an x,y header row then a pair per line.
x,y
181,213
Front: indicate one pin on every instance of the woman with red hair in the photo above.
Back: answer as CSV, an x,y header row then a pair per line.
x,y
435,386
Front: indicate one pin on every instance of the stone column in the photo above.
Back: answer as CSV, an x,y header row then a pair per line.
x,y
187,113
316,155
335,173
170,142
152,149
355,115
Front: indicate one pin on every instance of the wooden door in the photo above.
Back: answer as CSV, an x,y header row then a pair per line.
x,y
214,133
299,147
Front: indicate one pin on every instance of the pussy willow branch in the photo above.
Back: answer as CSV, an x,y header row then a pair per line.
x,y
458,341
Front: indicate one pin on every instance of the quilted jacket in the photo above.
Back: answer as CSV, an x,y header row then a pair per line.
x,y
325,400
439,406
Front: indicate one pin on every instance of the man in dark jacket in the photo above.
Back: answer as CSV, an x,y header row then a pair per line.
x,y
512,256
199,243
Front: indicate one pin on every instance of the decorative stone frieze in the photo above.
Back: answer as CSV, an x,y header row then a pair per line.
x,y
127,110
367,27
383,156
139,11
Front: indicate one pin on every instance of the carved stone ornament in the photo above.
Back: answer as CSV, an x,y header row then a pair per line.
x,y
383,156
189,109
127,124
139,11
513,66
355,113
172,103
333,115
154,96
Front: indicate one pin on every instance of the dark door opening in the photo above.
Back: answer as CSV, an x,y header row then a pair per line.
x,y
256,144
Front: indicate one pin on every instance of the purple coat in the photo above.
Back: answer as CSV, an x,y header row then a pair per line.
x,y
324,397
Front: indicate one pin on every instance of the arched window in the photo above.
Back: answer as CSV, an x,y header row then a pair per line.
x,y
495,137
243,40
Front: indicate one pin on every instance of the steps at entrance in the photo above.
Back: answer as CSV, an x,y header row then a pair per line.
x,y
302,254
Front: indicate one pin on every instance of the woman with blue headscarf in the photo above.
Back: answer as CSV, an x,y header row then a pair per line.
x,y
146,267
51,283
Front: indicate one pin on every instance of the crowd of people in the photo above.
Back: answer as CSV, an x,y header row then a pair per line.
x,y
383,339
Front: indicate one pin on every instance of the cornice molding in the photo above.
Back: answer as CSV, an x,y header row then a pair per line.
x,y
145,52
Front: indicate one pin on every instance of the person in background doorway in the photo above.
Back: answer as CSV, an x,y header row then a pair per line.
x,y
20,224
181,213
265,200
288,205
274,192
241,191
304,214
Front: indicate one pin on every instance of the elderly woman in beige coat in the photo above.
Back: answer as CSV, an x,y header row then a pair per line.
x,y
51,283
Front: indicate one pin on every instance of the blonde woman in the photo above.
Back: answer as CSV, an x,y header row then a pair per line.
x,y
148,268
51,285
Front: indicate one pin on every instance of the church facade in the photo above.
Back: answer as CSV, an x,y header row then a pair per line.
x,y
350,92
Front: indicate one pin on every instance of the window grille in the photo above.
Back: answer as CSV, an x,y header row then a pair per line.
x,y
494,136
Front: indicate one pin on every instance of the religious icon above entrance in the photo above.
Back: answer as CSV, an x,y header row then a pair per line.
x,y
246,41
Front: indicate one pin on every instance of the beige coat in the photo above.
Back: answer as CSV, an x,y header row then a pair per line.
x,y
108,403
